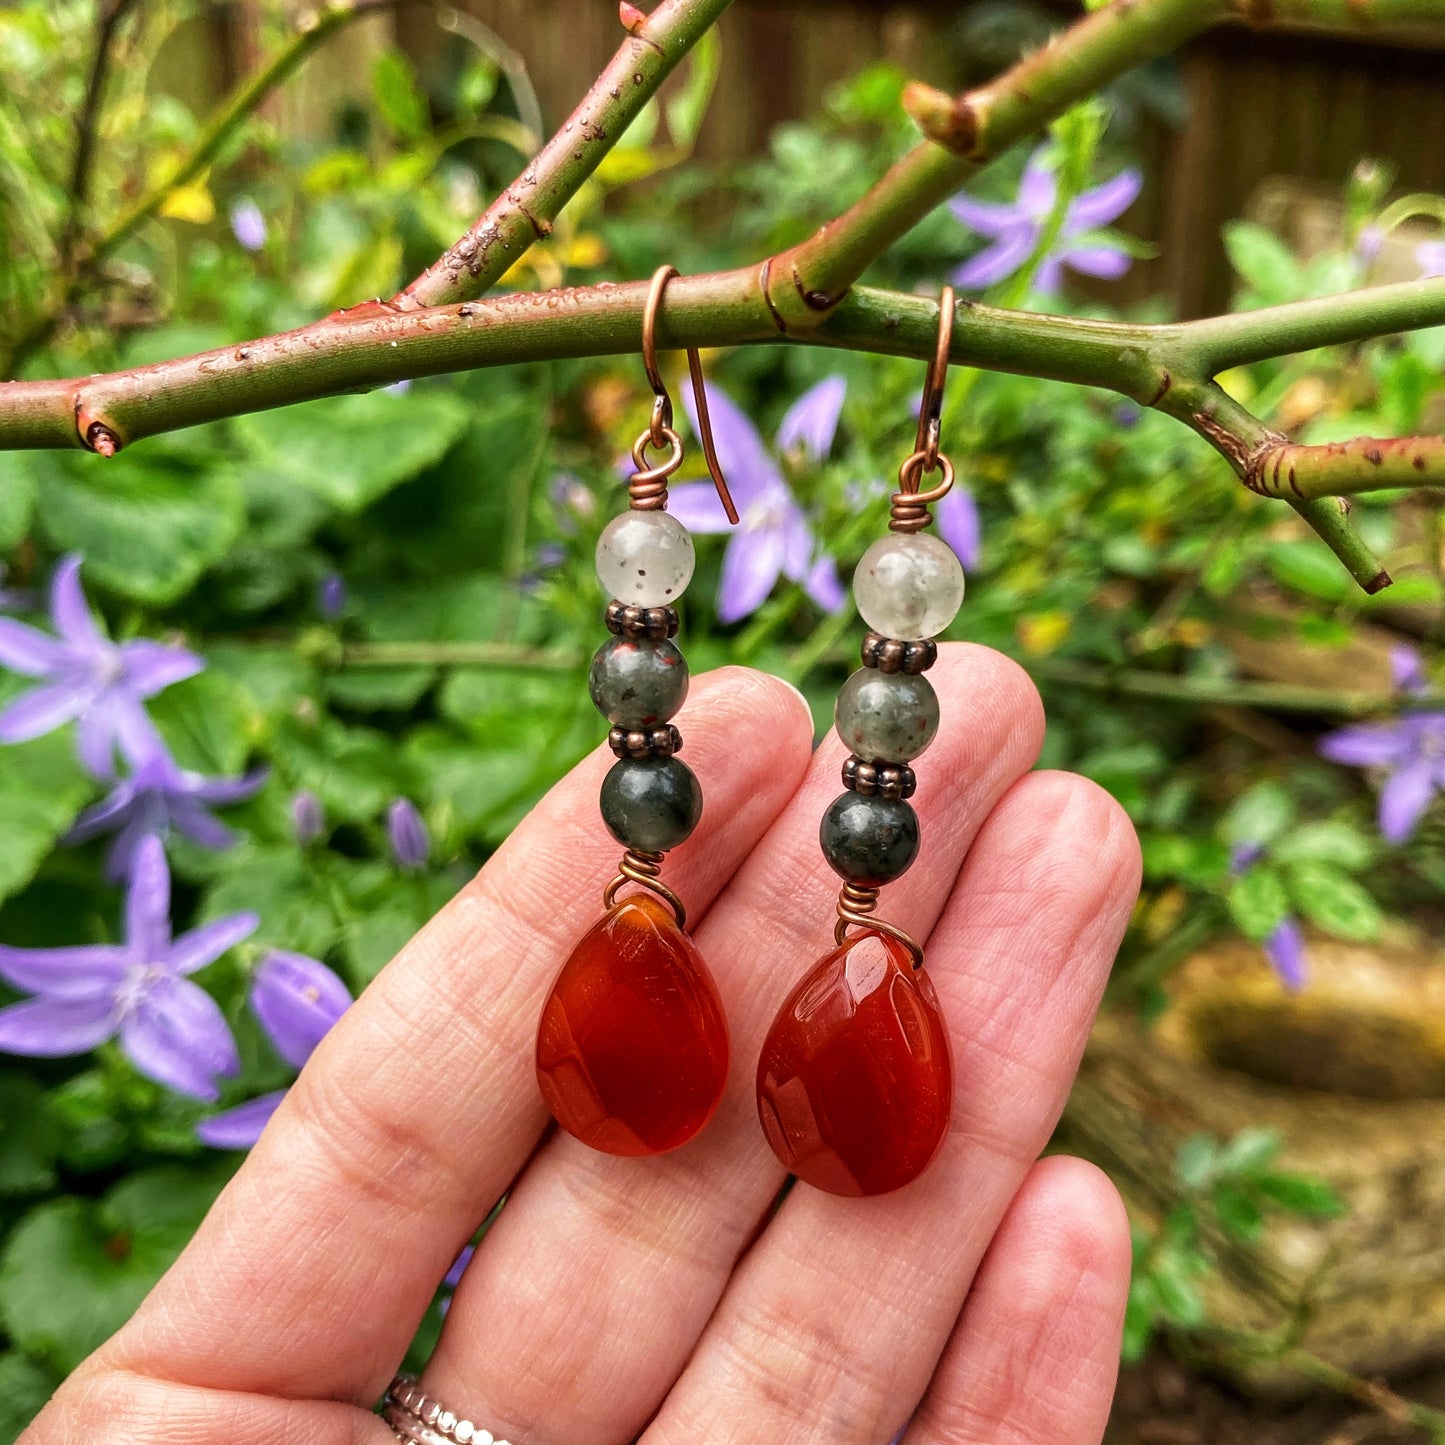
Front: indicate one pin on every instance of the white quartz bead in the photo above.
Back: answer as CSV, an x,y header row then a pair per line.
x,y
908,586
645,558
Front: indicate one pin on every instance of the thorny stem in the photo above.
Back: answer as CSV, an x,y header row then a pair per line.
x,y
1168,367
525,210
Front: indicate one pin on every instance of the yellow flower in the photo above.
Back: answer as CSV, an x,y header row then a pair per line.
x,y
1043,632
193,203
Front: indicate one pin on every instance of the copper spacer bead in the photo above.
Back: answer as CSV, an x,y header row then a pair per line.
x,y
888,654
657,623
882,780
658,742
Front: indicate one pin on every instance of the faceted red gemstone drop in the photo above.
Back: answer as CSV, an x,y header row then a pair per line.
x,y
855,1083
632,1051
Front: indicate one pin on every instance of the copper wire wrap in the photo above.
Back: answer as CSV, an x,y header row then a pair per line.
x,y
908,510
648,488
644,869
856,906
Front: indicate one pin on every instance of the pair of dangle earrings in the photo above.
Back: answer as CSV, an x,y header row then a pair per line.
x,y
855,1078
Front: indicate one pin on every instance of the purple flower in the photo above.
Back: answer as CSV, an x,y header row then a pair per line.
x,y
1285,949
454,1275
958,524
248,225
1407,670
1368,244
297,1001
331,596
1244,856
156,799
1412,751
1017,229
1431,258
170,1028
87,679
308,817
811,423
774,538
408,836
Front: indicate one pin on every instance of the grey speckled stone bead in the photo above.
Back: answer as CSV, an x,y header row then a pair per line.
x,y
636,682
886,716
645,558
651,803
869,841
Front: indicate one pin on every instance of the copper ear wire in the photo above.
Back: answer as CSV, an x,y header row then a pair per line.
x,y
908,511
648,487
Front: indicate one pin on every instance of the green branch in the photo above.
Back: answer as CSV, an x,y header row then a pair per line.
x,y
378,345
964,133
525,210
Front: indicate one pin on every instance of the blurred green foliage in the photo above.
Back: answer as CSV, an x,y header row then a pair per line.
x,y
1112,540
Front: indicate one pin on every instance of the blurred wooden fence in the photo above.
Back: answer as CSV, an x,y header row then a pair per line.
x,y
1296,108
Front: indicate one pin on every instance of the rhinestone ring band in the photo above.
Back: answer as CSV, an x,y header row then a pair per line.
x,y
415,1417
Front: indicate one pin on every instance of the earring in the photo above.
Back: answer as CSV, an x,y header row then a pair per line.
x,y
632,1048
855,1082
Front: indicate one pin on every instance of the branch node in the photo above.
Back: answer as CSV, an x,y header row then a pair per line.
x,y
101,440
955,124
763,278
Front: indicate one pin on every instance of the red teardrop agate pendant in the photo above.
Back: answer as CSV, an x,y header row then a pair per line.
x,y
855,1083
632,1051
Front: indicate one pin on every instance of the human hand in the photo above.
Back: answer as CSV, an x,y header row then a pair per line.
x,y
664,1298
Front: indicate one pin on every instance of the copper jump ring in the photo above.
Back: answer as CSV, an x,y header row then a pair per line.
x,y
856,906
649,488
908,510
644,869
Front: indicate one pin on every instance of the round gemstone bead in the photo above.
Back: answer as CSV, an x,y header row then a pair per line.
x,y
908,586
645,558
855,1078
651,804
869,841
886,717
636,682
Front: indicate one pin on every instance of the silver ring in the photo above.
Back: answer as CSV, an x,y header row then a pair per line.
x,y
416,1417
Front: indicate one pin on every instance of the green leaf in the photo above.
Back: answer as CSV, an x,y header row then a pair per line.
x,y
1258,903
29,1137
1337,843
399,97
297,909
1335,901
1259,816
209,723
1301,1194
688,105
1180,1301
1263,261
42,788
18,489
1195,1163
1238,1214
1309,567
74,1270
147,525
350,450
1249,1151
25,1386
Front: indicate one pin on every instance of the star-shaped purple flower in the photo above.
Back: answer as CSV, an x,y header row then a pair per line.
x,y
1017,229
774,538
138,991
87,679
157,798
1412,751
1285,946
297,1000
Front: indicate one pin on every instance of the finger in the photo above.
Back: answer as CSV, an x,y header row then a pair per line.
x,y
420,1107
830,1330
587,1295
1035,1355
